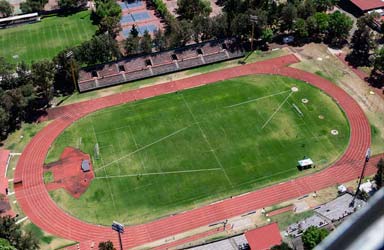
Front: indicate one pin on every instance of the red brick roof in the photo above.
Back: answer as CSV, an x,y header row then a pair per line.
x,y
263,238
365,5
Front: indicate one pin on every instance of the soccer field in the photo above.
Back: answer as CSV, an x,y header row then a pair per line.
x,y
43,40
174,152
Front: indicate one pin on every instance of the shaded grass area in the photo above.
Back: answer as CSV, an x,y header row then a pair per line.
x,y
43,40
288,218
174,152
48,177
17,141
46,240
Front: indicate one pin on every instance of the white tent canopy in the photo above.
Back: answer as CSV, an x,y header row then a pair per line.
x,y
305,162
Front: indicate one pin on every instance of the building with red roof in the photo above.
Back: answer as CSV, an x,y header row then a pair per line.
x,y
264,238
367,5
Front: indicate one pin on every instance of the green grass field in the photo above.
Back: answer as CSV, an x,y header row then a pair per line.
x,y
43,40
178,151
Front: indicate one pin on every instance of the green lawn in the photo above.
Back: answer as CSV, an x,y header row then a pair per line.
x,y
43,40
178,151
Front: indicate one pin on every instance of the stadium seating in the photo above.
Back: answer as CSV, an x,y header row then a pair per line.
x,y
139,67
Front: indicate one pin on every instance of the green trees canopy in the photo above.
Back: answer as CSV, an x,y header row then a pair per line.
x,y
188,9
313,236
362,44
33,5
339,26
6,9
14,236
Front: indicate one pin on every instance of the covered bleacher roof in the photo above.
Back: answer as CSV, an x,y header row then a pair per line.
x,y
148,65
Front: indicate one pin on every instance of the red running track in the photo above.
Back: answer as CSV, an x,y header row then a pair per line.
x,y
35,201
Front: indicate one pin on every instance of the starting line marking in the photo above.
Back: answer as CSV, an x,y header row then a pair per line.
x,y
160,173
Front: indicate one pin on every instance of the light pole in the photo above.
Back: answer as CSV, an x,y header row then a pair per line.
x,y
367,156
119,228
69,56
253,20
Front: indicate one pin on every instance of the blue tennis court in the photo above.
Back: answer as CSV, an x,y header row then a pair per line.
x,y
140,16
126,19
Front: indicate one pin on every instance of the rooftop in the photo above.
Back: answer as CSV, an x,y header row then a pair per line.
x,y
365,5
264,237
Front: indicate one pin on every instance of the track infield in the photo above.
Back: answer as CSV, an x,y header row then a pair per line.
x,y
174,152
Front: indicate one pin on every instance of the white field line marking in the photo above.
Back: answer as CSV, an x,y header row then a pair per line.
x,y
277,110
7,164
113,129
137,146
206,139
256,99
161,173
142,148
105,171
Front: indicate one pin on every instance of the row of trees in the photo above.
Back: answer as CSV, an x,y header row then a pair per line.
x,y
364,50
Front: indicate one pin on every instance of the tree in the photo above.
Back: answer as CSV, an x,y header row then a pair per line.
x,y
361,45
71,4
188,9
43,73
33,5
318,24
313,236
324,5
63,82
379,177
339,26
5,245
180,33
146,43
306,9
106,245
282,246
300,28
378,64
132,45
6,9
110,25
159,40
106,8
267,35
134,32
288,15
99,49
12,232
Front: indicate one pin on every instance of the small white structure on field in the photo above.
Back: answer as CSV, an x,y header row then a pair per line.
x,y
305,163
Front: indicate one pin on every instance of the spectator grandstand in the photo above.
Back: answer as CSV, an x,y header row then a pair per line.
x,y
143,66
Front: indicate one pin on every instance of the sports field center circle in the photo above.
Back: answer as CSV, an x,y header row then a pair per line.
x,y
35,201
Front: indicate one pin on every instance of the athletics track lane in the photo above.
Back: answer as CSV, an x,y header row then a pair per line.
x,y
35,201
